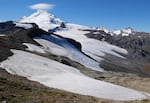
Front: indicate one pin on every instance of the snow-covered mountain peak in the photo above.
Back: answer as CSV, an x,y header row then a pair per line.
x,y
128,30
48,22
43,19
123,32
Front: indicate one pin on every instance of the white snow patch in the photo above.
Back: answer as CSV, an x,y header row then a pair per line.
x,y
116,32
34,48
76,26
127,30
24,25
60,76
52,47
125,34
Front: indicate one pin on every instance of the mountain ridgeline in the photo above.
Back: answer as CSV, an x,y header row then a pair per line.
x,y
137,44
55,53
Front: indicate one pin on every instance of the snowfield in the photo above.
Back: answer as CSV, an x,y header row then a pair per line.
x,y
51,47
91,47
60,76
60,46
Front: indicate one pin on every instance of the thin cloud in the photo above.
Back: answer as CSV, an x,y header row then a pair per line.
x,y
42,6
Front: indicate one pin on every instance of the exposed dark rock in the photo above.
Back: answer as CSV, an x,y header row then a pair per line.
x,y
65,62
75,43
58,28
5,27
62,25
9,27
4,53
99,35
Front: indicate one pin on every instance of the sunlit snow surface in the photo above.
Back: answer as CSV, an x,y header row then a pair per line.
x,y
60,76
34,48
23,25
60,46
92,47
43,19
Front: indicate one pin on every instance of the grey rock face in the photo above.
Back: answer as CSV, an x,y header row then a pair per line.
x,y
6,26
9,27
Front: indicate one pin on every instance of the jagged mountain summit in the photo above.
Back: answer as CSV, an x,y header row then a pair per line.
x,y
43,19
123,32
67,56
48,21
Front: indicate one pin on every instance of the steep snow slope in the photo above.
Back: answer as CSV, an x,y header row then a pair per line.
x,y
43,19
60,46
92,47
57,75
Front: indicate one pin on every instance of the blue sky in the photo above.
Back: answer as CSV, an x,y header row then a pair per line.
x,y
113,14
